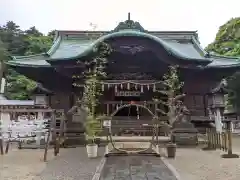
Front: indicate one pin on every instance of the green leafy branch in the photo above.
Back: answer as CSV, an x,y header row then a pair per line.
x,y
172,89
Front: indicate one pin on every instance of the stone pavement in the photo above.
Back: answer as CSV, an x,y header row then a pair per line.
x,y
136,168
72,165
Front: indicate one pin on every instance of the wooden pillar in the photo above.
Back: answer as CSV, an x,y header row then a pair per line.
x,y
51,126
1,137
229,137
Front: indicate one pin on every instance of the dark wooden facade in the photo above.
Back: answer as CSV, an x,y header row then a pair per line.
x,y
138,55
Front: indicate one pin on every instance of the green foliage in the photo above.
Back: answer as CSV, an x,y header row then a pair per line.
x,y
19,87
172,90
3,52
37,44
227,43
14,41
93,75
92,88
93,127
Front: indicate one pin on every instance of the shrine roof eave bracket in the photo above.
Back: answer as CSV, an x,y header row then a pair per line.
x,y
131,33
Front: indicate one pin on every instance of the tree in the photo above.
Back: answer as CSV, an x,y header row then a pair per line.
x,y
51,34
172,89
13,38
227,43
3,51
32,31
37,44
20,43
3,58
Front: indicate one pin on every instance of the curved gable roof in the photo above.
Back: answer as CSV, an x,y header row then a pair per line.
x,y
72,49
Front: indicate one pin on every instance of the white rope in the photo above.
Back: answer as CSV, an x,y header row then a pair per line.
x,y
126,82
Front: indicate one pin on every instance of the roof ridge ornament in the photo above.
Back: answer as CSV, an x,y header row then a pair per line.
x,y
129,16
129,24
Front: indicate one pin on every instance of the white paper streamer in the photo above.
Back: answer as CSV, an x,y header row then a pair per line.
x,y
128,86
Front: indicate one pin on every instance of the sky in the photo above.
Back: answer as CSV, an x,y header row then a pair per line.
x,y
205,16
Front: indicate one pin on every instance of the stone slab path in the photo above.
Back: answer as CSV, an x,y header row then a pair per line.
x,y
136,168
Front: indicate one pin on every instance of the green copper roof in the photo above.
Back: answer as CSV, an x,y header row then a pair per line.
x,y
39,60
223,62
72,45
70,49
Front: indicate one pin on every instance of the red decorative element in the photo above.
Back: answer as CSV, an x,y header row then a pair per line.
x,y
132,102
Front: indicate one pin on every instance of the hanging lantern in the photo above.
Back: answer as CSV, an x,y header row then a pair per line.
x,y
116,88
108,85
102,87
121,86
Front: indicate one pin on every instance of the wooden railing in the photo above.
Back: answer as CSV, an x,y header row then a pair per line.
x,y
223,141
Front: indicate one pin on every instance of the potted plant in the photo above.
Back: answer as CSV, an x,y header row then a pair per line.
x,y
170,146
93,128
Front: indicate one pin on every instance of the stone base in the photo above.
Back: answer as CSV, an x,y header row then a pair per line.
x,y
228,156
74,140
185,139
184,133
208,148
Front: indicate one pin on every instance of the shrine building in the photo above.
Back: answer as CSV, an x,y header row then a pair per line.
x,y
138,61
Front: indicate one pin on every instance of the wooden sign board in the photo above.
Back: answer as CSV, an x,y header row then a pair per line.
x,y
128,93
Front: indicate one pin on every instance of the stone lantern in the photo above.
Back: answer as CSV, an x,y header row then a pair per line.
x,y
41,96
216,100
216,104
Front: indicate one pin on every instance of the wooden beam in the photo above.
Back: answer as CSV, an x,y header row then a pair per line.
x,y
25,110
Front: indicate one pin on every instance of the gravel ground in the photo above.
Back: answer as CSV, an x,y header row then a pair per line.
x,y
22,164
195,164
73,165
